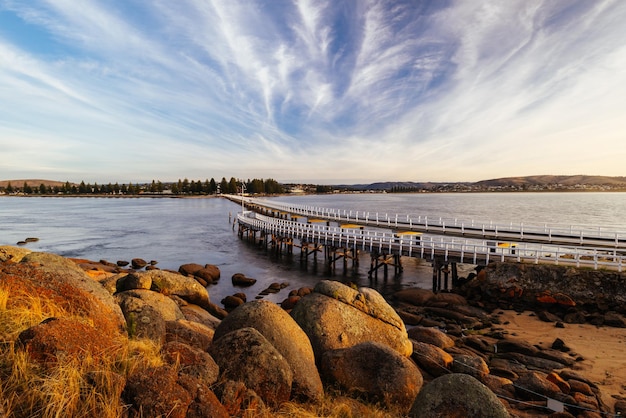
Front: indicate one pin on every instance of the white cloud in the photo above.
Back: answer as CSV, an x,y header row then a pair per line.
x,y
414,93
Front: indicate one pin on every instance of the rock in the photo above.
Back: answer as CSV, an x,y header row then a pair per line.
x,y
535,386
241,296
585,402
414,296
143,319
110,283
197,314
546,316
191,333
558,380
430,335
512,345
444,299
454,316
480,343
204,403
457,395
96,270
155,392
168,309
433,360
303,291
576,317
236,397
214,271
122,263
58,277
134,281
246,355
231,302
208,274
189,269
285,336
348,317
559,344
138,263
289,303
410,318
216,311
613,319
60,339
176,284
472,365
365,299
191,361
571,375
578,386
13,254
557,356
375,371
239,279
532,361
501,386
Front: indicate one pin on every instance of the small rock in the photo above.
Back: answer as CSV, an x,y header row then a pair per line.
x,y
240,279
559,344
138,263
231,302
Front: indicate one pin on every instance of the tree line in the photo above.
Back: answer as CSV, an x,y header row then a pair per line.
x,y
182,187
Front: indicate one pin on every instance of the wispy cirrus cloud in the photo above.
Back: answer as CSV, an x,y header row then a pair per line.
x,y
327,91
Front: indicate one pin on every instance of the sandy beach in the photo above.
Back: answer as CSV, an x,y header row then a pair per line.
x,y
601,347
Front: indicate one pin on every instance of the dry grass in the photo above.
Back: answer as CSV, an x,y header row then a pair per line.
x,y
84,387
74,387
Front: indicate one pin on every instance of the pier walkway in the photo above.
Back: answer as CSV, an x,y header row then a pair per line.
x,y
440,240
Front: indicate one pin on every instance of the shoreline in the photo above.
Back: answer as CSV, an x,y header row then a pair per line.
x,y
600,346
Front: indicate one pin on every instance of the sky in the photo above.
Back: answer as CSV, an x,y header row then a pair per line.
x,y
311,91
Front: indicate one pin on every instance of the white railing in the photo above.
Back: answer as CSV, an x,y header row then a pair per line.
x,y
463,250
578,235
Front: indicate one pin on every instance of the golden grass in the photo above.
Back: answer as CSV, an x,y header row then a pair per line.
x,y
74,387
84,387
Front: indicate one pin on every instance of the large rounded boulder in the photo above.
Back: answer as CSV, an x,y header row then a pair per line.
x,y
187,288
285,335
60,279
168,309
457,395
375,371
247,356
337,316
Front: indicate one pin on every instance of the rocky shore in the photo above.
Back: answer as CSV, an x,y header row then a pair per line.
x,y
419,354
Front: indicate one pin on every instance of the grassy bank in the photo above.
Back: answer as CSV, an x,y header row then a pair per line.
x,y
88,387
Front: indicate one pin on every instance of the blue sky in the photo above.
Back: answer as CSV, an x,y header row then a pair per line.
x,y
311,91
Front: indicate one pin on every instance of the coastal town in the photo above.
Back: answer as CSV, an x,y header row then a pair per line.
x,y
271,186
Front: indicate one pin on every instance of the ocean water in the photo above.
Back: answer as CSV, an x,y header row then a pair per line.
x,y
200,230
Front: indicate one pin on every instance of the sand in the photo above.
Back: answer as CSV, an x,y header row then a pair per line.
x,y
601,347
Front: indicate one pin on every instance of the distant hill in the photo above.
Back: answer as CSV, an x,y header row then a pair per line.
x,y
32,183
546,179
388,185
517,183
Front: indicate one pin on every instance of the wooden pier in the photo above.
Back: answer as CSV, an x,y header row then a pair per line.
x,y
340,242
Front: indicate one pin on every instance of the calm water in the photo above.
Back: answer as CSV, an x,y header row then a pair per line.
x,y
178,231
